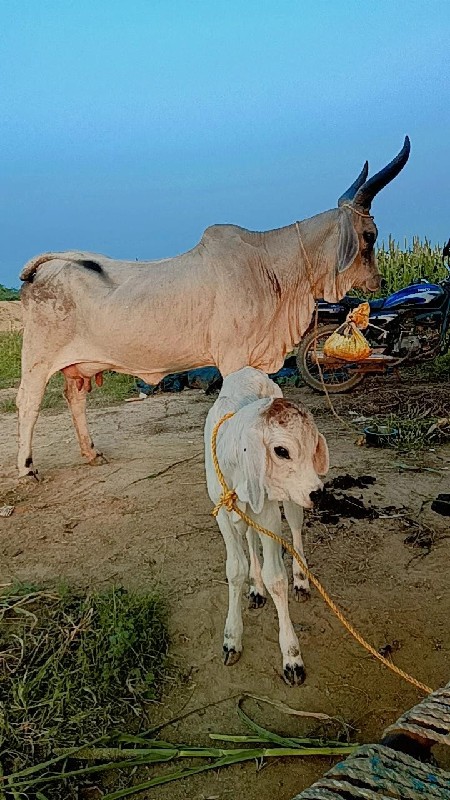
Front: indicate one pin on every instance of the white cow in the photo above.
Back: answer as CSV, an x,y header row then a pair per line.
x,y
236,298
269,451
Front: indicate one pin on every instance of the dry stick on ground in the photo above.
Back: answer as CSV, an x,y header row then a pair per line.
x,y
163,471
197,710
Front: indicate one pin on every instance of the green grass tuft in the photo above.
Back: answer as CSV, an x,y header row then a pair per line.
x,y
73,668
436,370
416,431
10,353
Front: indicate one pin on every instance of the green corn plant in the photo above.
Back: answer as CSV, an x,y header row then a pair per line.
x,y
400,267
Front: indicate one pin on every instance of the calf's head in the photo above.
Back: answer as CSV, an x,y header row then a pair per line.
x,y
280,454
349,246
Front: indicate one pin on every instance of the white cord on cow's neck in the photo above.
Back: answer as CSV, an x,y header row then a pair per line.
x,y
352,208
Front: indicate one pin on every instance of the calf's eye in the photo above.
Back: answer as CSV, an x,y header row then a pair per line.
x,y
281,452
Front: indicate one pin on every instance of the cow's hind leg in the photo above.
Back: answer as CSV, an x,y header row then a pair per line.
x,y
29,397
76,400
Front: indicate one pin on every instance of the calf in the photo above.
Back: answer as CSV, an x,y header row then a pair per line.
x,y
269,451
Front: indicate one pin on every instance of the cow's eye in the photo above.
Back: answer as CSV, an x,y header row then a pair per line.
x,y
369,237
281,452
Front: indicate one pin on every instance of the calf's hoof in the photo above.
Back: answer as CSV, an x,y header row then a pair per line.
x,y
302,593
98,460
256,600
294,674
230,656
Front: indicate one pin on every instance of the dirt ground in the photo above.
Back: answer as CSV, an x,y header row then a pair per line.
x,y
10,316
143,520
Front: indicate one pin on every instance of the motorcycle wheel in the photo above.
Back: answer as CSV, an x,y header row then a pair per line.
x,y
337,380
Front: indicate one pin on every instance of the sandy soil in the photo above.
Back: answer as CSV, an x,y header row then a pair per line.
x,y
10,316
143,520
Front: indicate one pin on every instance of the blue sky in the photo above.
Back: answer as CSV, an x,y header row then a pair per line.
x,y
127,128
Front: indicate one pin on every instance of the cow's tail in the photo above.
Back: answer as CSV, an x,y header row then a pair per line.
x,y
31,267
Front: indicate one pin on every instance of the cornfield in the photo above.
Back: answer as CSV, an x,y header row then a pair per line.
x,y
400,267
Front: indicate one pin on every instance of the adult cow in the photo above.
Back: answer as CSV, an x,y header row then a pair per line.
x,y
237,298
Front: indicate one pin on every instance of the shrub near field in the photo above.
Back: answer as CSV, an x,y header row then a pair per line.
x,y
8,294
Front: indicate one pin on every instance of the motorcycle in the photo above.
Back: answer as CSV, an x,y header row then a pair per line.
x,y
411,325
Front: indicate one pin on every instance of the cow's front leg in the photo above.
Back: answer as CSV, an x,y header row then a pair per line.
x,y
257,593
276,581
237,572
294,517
76,400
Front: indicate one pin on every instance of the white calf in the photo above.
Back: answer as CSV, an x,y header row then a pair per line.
x,y
269,451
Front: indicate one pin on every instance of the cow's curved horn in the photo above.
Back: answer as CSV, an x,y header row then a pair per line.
x,y
367,192
351,191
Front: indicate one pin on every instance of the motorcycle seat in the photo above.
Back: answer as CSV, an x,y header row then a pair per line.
x,y
375,305
353,302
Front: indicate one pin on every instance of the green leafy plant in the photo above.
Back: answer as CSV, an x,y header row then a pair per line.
x,y
73,667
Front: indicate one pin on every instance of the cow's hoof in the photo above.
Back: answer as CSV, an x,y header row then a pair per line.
x,y
98,460
29,477
256,600
294,674
302,593
230,656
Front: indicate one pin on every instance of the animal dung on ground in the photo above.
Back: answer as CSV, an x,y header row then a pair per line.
x,y
333,504
349,482
441,505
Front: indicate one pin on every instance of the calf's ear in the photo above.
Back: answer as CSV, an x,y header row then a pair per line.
x,y
348,243
252,467
321,459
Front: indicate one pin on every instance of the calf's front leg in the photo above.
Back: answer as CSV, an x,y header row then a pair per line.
x,y
237,572
294,517
257,593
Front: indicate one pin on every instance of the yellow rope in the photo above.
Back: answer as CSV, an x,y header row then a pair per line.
x,y
228,500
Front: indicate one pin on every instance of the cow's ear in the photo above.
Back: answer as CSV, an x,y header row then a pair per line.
x,y
348,244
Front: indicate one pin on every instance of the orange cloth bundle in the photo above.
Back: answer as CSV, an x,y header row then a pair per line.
x,y
360,316
347,343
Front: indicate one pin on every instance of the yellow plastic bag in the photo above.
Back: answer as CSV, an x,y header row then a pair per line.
x,y
347,343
